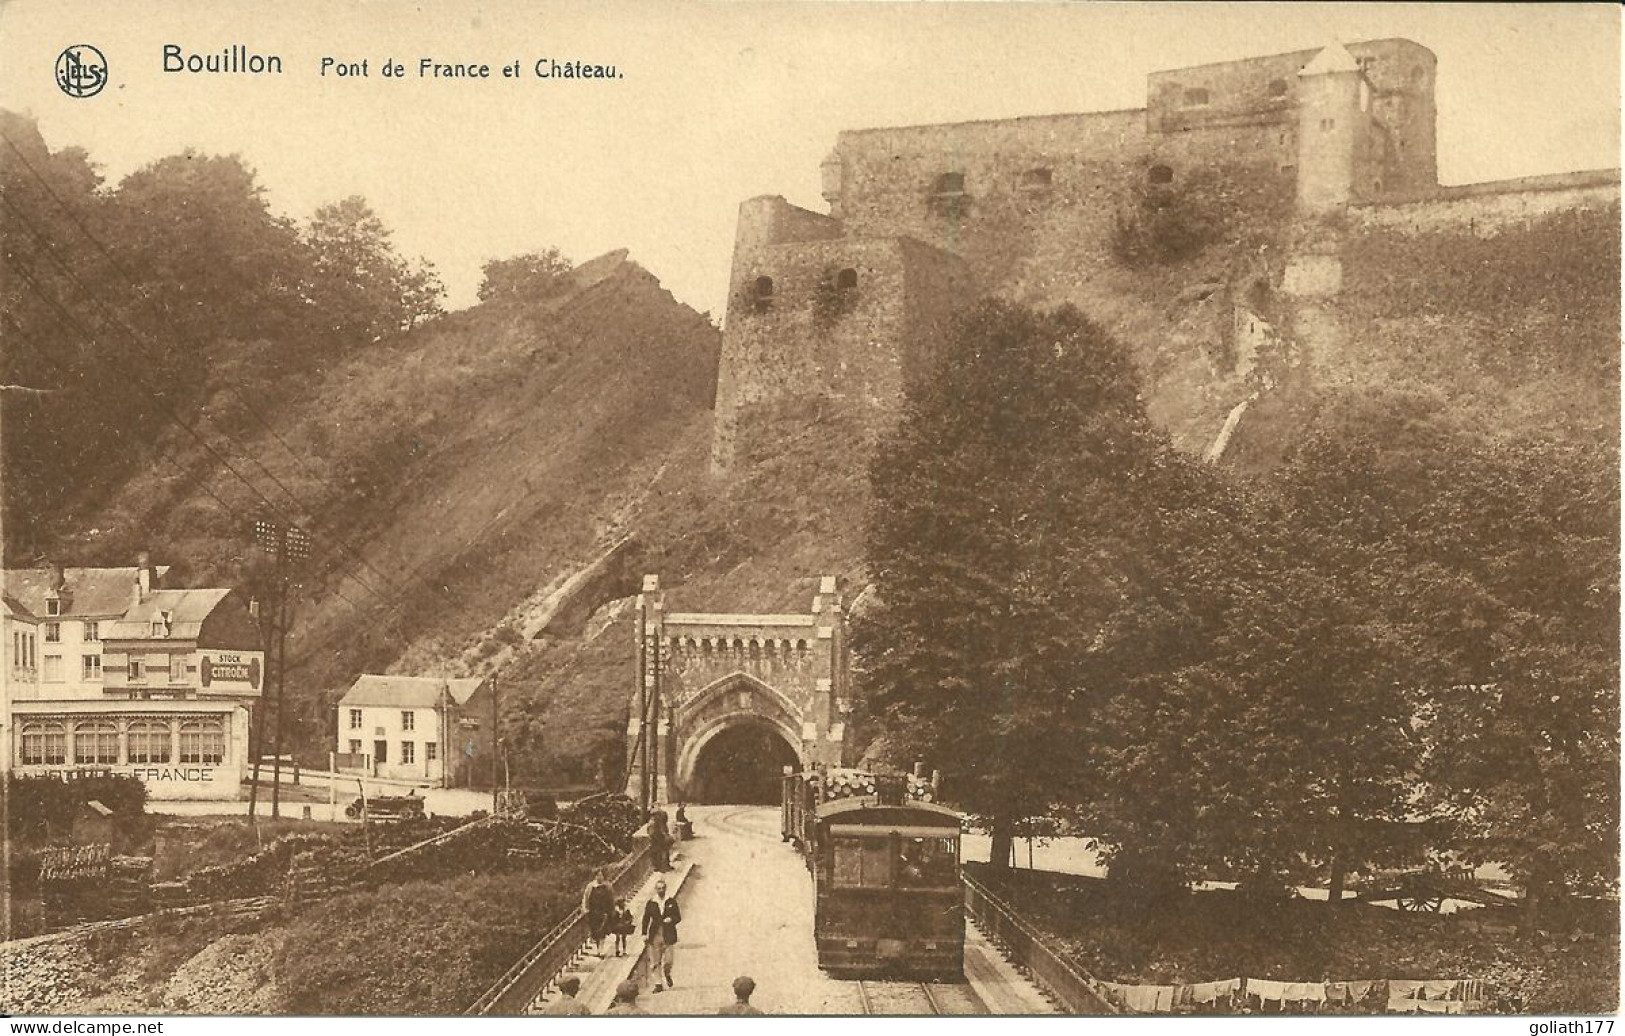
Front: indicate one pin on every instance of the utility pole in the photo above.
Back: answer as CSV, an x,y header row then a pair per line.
x,y
287,543
494,741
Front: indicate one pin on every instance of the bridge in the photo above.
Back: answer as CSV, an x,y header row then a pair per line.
x,y
724,701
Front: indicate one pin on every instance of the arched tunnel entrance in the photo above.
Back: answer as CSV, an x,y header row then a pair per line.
x,y
741,764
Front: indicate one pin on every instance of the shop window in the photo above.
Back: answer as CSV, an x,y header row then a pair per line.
x,y
95,742
43,744
1277,88
203,740
1160,174
151,741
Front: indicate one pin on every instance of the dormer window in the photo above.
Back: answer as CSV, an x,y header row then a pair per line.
x,y
159,629
1196,97
53,606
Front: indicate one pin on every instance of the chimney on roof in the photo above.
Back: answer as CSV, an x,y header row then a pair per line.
x,y
143,576
58,578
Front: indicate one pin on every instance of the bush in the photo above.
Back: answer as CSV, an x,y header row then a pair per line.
x,y
419,948
36,808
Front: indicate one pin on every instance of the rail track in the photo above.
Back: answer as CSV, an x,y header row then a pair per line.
x,y
886,997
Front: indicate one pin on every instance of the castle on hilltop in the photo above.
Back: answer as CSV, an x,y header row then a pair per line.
x,y
924,218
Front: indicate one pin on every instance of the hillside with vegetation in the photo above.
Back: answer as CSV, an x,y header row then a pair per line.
x,y
485,488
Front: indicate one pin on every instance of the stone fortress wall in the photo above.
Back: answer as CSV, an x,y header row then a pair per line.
x,y
924,218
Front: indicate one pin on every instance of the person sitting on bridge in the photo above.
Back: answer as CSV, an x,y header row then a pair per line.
x,y
626,1000
567,1005
744,986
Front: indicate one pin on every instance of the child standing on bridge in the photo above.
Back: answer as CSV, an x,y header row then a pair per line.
x,y
621,924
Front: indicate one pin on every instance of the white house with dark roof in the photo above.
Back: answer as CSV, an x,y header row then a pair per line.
x,y
106,670
406,727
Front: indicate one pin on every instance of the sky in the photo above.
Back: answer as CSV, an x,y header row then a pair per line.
x,y
718,102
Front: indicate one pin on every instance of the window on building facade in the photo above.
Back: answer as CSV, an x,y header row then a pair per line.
x,y
407,717
764,293
93,632
53,606
846,280
137,669
950,183
1277,88
52,672
43,744
203,740
1196,97
355,747
151,741
95,741
407,751
160,628
431,751
1326,125
355,719
1160,174
91,667
1036,179
16,649
53,633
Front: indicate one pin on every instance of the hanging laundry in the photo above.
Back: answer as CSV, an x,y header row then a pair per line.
x,y
1362,990
1149,999
1301,991
1265,989
1209,992
1440,989
1403,988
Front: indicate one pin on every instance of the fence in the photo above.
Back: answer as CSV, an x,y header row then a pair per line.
x,y
1077,992
535,971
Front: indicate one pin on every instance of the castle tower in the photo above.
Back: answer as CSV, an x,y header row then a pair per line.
x,y
1334,105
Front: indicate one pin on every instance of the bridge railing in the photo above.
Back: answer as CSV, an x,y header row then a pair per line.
x,y
530,976
1077,992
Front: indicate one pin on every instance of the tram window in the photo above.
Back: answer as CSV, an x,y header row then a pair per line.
x,y
926,863
862,863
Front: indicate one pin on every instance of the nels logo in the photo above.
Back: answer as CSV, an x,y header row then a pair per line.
x,y
81,71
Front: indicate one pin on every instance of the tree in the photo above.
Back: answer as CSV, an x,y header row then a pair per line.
x,y
1014,506
363,289
532,276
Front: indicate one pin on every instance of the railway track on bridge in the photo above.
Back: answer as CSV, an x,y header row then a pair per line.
x,y
884,997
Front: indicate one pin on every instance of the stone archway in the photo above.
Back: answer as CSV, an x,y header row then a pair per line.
x,y
736,760
734,692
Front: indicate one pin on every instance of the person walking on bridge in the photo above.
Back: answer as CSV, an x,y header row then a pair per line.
x,y
660,919
598,903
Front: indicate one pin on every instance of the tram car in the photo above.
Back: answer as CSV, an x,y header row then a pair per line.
x,y
885,864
